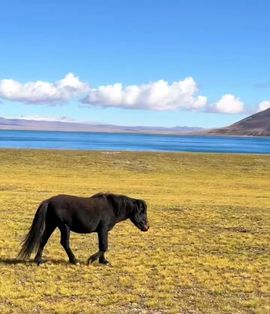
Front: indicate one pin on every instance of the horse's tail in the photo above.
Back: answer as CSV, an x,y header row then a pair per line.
x,y
33,238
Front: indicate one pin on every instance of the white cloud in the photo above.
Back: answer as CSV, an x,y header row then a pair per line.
x,y
229,104
159,95
41,92
264,105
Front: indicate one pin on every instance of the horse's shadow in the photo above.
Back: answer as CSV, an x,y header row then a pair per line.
x,y
16,261
12,261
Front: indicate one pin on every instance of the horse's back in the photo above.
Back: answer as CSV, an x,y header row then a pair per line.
x,y
81,214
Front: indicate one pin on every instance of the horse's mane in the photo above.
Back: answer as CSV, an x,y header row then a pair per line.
x,y
118,201
108,194
100,194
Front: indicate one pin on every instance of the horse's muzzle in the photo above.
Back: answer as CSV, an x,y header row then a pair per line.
x,y
145,228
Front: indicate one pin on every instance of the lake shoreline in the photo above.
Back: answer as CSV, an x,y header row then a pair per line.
x,y
114,152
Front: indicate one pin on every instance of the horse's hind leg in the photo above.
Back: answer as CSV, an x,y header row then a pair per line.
x,y
65,234
45,237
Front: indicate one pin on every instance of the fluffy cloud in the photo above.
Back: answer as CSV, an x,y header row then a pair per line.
x,y
229,104
264,105
159,95
41,92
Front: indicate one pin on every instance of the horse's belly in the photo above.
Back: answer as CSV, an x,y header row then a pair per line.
x,y
85,226
82,229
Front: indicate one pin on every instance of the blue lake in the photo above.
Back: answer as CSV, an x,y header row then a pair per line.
x,y
133,142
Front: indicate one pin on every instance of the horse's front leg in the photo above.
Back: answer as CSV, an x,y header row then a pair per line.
x,y
103,246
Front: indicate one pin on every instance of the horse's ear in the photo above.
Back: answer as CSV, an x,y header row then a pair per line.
x,y
116,202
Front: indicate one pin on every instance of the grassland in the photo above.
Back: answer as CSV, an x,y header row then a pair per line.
x,y
207,250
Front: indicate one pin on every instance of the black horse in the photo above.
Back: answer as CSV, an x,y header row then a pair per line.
x,y
98,213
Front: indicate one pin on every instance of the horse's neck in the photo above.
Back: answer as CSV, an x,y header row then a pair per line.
x,y
123,214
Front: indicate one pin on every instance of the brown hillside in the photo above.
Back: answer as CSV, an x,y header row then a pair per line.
x,y
257,124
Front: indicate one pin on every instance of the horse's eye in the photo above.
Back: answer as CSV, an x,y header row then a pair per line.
x,y
142,209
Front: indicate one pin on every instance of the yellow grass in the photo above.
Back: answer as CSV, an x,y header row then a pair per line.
x,y
207,250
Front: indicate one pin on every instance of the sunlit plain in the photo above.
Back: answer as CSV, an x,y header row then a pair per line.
x,y
207,249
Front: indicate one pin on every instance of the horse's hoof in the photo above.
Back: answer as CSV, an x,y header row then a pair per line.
x,y
105,262
92,259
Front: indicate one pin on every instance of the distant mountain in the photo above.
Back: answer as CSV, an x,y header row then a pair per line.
x,y
41,125
257,124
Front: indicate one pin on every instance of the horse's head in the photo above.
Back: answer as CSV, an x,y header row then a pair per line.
x,y
139,215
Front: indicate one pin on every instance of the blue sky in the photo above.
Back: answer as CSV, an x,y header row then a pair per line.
x,y
145,62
